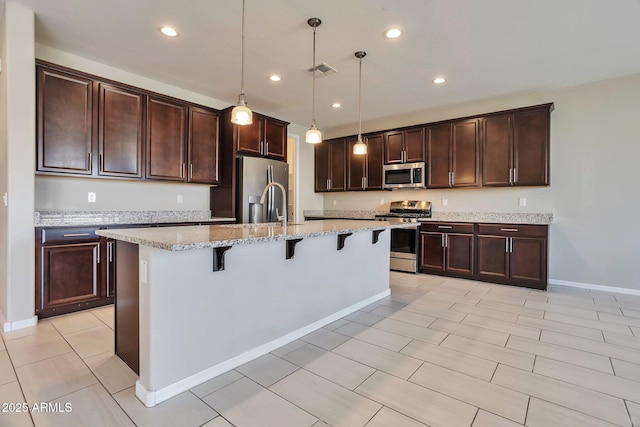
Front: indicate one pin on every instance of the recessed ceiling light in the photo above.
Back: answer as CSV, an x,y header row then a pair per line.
x,y
169,31
336,105
393,33
439,80
275,78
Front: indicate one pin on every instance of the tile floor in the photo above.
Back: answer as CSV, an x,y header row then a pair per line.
x,y
438,352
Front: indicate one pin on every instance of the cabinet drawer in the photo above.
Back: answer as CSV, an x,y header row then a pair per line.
x,y
513,230
447,227
60,235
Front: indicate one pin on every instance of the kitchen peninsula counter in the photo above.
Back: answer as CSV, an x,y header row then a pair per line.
x,y
206,299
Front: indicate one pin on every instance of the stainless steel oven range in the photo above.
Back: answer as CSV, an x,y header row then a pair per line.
x,y
405,246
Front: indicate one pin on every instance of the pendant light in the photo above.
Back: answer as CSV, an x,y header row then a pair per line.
x,y
360,148
313,135
241,114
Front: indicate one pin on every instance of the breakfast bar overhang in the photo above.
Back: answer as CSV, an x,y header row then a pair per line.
x,y
211,298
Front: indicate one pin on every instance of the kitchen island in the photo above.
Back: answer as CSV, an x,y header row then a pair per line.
x,y
210,298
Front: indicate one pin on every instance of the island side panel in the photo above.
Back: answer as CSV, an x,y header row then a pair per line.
x,y
193,319
126,304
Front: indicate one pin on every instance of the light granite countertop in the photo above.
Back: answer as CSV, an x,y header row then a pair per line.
x,y
213,236
535,218
51,218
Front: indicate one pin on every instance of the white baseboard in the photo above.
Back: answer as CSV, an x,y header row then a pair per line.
x,y
18,324
594,287
152,397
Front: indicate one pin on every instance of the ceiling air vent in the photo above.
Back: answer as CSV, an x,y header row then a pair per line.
x,y
322,70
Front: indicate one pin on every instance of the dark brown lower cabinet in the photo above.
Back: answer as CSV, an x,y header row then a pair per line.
x,y
513,254
498,253
447,248
74,270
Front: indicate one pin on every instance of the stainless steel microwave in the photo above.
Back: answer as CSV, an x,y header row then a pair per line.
x,y
405,175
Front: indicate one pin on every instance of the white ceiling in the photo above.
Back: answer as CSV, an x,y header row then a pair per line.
x,y
485,48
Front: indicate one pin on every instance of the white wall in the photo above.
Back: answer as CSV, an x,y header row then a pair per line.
x,y
307,198
17,144
594,180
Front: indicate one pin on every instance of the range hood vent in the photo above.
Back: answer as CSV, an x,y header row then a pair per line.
x,y
322,70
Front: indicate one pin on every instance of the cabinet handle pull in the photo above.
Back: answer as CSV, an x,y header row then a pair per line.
x,y
445,226
446,240
190,170
89,159
75,234
182,170
98,254
330,183
453,179
442,240
44,236
328,186
110,251
510,175
506,245
511,244
509,229
101,162
266,148
515,175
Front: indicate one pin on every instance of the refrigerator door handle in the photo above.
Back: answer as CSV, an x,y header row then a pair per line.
x,y
270,205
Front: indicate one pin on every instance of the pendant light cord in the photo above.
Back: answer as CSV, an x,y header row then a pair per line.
x,y
313,92
242,67
360,103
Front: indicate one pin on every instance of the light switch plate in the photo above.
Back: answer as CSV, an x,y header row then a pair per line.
x,y
335,202
91,197
381,202
179,198
522,201
445,201
5,199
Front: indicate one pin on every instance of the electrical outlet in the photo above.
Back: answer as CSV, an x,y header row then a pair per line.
x,y
5,199
522,201
445,201
143,271
335,202
179,198
91,197
381,202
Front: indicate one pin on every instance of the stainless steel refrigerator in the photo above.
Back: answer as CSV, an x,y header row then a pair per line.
x,y
254,174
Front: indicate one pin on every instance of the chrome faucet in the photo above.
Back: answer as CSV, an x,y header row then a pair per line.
x,y
284,200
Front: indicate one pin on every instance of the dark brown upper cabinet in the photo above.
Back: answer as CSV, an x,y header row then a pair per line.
x,y
330,162
365,171
166,144
65,131
516,148
204,128
94,127
453,153
265,137
120,132
404,146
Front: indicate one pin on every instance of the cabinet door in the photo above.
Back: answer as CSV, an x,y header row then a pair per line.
x,y
120,118
438,153
337,165
249,138
432,253
531,147
64,122
375,149
203,146
356,167
71,274
394,148
493,260
166,140
275,139
321,161
465,153
414,145
498,145
460,254
527,261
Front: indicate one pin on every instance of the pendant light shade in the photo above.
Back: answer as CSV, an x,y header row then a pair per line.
x,y
360,148
241,114
313,135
